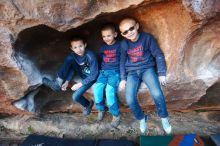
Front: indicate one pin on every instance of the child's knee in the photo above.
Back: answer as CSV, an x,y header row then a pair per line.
x,y
130,100
110,90
75,97
98,86
98,89
157,93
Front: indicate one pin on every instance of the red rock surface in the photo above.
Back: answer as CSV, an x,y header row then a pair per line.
x,y
187,31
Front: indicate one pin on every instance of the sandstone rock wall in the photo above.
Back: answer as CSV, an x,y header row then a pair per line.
x,y
187,31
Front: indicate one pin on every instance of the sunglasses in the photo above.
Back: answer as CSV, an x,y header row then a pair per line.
x,y
126,31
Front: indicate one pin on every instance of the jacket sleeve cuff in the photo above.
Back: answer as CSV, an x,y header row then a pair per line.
x,y
123,78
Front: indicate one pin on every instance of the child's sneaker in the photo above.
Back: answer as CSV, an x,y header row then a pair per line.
x,y
116,121
54,85
88,109
166,125
143,124
101,115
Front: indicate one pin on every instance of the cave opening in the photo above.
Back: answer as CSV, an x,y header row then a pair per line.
x,y
41,50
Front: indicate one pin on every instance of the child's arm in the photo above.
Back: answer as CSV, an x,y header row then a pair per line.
x,y
123,57
66,71
69,75
71,71
93,69
158,54
160,60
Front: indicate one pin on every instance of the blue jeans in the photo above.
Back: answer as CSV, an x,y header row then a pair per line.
x,y
150,78
78,95
108,80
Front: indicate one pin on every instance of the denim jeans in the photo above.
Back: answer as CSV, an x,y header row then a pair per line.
x,y
107,81
150,78
78,95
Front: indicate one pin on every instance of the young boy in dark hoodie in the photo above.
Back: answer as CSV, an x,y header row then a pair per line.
x,y
82,61
140,56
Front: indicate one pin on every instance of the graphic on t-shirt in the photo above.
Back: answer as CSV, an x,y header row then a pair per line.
x,y
136,54
85,68
109,56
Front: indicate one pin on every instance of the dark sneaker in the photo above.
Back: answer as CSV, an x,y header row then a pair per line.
x,y
51,84
101,115
116,121
88,109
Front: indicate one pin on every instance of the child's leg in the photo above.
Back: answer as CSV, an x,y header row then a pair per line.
x,y
99,90
132,86
78,95
111,96
65,73
150,78
111,92
55,85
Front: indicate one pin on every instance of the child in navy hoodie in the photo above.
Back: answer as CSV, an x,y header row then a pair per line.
x,y
140,56
82,61
109,78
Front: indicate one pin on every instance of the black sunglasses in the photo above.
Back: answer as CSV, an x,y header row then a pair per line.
x,y
129,29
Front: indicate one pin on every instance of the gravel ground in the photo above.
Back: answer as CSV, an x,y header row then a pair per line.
x,y
15,129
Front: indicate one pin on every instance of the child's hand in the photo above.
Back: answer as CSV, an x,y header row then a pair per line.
x,y
163,80
76,86
64,86
122,85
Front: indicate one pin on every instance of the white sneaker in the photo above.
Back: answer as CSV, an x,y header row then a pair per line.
x,y
143,125
166,125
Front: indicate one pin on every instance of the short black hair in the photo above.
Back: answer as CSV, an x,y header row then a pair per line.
x,y
108,26
78,38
